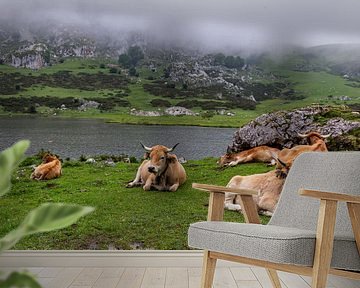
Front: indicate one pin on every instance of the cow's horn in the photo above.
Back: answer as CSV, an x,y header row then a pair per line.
x,y
303,135
326,136
171,149
145,147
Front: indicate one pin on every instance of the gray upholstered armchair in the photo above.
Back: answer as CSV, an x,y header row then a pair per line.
x,y
310,232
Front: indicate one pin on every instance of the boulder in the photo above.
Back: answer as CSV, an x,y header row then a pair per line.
x,y
280,129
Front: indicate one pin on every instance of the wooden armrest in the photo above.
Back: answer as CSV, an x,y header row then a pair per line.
x,y
330,196
216,202
223,189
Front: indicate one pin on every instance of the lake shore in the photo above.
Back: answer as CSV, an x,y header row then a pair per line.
x,y
221,121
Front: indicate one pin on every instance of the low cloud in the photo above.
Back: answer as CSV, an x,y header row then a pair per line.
x,y
210,24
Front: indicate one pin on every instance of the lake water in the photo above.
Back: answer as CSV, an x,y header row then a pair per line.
x,y
75,137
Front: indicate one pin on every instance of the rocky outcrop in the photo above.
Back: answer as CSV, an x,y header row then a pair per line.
x,y
178,111
172,111
33,61
88,105
280,129
33,56
145,113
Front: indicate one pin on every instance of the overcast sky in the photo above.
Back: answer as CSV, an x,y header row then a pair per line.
x,y
221,23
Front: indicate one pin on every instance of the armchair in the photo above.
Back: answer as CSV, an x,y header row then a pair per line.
x,y
313,231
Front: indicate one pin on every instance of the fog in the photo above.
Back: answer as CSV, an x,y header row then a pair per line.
x,y
222,24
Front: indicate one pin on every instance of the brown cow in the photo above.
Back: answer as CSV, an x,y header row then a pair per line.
x,y
269,185
286,156
49,169
256,154
162,171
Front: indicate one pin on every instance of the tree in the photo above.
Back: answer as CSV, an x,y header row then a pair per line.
x,y
229,62
32,109
124,60
133,72
132,57
219,59
239,62
47,56
135,54
113,70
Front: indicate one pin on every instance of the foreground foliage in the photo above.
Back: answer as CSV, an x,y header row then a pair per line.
x,y
124,218
47,217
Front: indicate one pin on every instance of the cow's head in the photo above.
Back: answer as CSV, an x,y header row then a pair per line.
x,y
225,159
48,158
159,158
313,137
282,167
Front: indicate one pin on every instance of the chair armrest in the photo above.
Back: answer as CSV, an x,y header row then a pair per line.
x,y
330,196
327,219
217,198
223,189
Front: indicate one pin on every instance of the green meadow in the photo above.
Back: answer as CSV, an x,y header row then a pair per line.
x,y
125,218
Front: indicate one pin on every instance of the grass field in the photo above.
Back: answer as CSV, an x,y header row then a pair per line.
x,y
124,218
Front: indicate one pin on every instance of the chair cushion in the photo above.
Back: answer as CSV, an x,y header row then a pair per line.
x,y
270,243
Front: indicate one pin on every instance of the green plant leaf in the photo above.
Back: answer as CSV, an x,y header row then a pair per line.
x,y
20,280
9,159
47,217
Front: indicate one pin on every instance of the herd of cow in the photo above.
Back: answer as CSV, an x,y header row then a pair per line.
x,y
162,171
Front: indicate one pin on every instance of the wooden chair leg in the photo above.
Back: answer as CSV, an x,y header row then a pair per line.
x,y
324,243
208,271
354,212
274,278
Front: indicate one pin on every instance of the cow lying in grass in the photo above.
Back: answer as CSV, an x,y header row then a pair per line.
x,y
256,154
161,172
287,156
269,185
49,169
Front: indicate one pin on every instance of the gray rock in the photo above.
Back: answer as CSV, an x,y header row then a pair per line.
x,y
178,111
280,129
88,105
109,162
145,113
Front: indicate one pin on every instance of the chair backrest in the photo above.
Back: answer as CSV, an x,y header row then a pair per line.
x,y
326,171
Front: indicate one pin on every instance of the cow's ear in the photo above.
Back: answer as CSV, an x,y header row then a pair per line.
x,y
146,155
171,158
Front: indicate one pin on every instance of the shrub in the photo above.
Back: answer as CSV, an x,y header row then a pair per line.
x,y
133,72
207,114
82,158
160,103
170,85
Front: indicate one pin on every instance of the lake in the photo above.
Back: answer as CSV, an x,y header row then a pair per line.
x,y
75,137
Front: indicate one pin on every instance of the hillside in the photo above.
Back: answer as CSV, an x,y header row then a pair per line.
x,y
70,72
